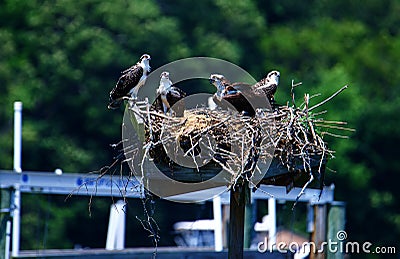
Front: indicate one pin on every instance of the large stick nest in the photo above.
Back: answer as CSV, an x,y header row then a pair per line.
x,y
241,145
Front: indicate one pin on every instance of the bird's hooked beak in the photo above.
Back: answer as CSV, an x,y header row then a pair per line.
x,y
277,76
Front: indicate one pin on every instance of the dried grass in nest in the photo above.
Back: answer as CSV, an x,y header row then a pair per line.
x,y
237,143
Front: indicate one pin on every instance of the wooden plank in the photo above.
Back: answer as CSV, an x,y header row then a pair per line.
x,y
336,223
277,174
319,234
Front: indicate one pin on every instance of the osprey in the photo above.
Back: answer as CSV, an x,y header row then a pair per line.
x,y
239,95
269,84
168,95
129,82
220,82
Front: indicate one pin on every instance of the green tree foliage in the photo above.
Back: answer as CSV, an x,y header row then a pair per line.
x,y
61,58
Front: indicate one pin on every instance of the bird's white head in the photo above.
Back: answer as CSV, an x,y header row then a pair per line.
x,y
273,77
164,75
145,62
217,77
218,81
165,83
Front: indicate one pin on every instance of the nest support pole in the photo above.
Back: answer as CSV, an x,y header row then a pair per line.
x,y
239,197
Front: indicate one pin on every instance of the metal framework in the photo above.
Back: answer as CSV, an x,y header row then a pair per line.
x,y
93,184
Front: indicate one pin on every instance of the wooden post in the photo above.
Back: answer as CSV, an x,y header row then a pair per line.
x,y
319,234
336,223
249,221
236,219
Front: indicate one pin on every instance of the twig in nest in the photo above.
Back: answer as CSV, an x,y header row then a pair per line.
x,y
328,99
334,135
292,91
334,127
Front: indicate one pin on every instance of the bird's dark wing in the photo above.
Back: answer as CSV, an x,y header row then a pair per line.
x,y
114,104
157,104
174,96
240,103
127,81
260,83
223,104
176,93
268,90
233,99
255,98
243,97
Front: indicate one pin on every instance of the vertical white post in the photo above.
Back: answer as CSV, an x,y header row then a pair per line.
x,y
17,136
16,207
217,211
116,227
120,242
16,200
272,218
7,246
